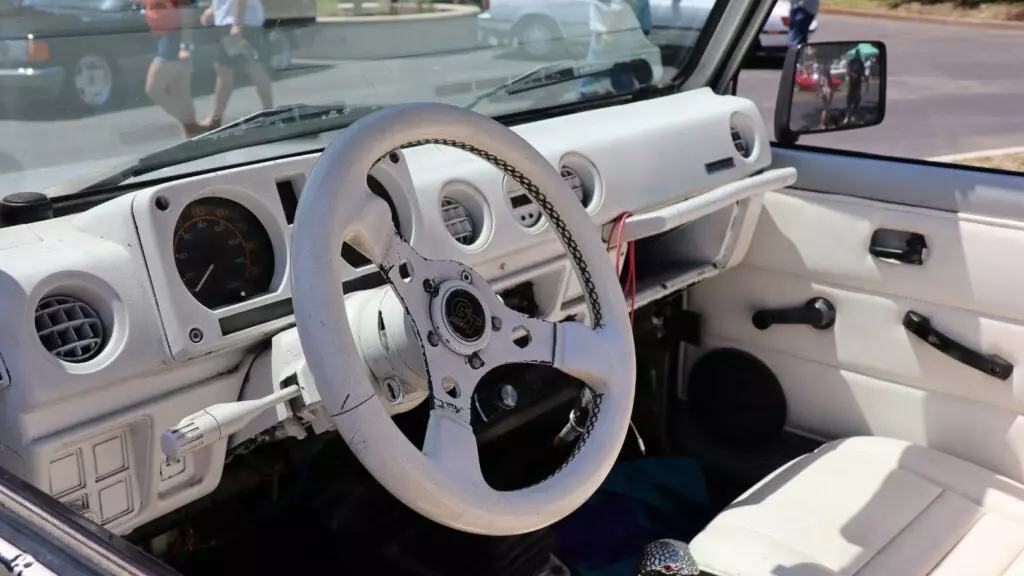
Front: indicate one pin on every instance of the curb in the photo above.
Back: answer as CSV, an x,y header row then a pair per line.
x,y
924,18
449,11
978,154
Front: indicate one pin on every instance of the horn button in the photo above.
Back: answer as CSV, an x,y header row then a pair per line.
x,y
460,317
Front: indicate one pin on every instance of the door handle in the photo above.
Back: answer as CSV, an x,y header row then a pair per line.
x,y
817,313
898,246
990,364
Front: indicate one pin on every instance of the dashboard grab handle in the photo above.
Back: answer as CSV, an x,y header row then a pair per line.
x,y
674,215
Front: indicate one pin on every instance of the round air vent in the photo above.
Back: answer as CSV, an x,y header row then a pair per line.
x,y
458,221
743,135
69,329
740,142
572,178
583,179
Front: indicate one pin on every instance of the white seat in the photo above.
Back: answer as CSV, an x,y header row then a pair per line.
x,y
870,506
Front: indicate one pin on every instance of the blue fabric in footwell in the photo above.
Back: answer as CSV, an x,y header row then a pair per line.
x,y
641,501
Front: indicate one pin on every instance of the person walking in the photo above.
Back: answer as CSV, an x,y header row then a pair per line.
x,y
855,74
242,45
801,14
169,79
826,89
618,29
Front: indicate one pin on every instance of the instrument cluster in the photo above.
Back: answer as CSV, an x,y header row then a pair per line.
x,y
222,252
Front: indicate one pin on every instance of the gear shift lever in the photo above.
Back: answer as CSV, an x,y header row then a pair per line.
x,y
667,556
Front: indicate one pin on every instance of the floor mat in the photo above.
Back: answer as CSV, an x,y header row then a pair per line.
x,y
641,501
729,471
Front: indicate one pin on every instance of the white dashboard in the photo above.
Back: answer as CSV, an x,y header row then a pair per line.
x,y
111,332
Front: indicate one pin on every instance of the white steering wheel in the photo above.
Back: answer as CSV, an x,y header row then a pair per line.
x,y
463,328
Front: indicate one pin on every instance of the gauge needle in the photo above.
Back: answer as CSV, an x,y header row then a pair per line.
x,y
203,280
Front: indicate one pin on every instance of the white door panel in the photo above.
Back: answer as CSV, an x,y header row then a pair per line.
x,y
969,264
868,336
868,374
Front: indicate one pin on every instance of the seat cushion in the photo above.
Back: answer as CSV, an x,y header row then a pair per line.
x,y
870,506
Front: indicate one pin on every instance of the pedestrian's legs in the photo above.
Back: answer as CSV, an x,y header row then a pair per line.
x,y
221,93
799,26
168,85
261,80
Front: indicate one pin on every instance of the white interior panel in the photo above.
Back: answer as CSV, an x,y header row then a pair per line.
x,y
868,374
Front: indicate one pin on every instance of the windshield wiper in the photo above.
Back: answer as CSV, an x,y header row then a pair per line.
x,y
264,127
277,116
551,74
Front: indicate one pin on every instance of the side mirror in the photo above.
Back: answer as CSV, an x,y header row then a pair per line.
x,y
830,87
667,556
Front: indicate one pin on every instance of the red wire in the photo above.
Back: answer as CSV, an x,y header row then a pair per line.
x,y
630,287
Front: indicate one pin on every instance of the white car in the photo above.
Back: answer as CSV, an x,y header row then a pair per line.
x,y
773,39
538,26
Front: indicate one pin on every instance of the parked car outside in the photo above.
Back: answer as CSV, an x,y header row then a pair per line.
x,y
87,54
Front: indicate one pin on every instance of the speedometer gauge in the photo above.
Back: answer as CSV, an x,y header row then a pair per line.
x,y
223,252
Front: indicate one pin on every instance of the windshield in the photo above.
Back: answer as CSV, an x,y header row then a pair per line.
x,y
86,85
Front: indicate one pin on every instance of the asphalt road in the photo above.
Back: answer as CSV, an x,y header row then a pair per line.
x,y
950,89
805,112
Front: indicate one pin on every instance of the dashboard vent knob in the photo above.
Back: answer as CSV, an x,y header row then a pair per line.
x,y
69,329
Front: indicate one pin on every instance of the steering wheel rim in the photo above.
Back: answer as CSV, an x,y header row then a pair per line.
x,y
443,482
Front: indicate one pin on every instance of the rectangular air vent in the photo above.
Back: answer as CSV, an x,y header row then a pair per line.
x,y
720,165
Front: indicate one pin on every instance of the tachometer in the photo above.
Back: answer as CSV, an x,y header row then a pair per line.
x,y
223,252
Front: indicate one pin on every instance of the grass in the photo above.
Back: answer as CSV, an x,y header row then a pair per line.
x,y
1012,162
326,7
1006,10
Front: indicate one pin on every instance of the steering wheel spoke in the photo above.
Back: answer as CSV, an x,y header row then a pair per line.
x,y
519,339
372,230
451,446
590,354
452,382
572,347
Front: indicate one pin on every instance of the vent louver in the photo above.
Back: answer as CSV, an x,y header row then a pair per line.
x,y
69,329
458,221
739,141
575,183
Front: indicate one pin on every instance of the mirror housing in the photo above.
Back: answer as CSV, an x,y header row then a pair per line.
x,y
815,89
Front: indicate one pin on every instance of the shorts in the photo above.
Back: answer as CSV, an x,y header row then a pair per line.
x,y
168,45
257,39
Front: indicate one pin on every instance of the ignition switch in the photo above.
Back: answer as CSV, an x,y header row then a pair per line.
x,y
508,397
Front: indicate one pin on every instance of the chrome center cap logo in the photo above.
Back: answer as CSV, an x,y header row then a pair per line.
x,y
460,317
465,315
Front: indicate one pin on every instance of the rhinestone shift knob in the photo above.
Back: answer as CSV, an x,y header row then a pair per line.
x,y
667,557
